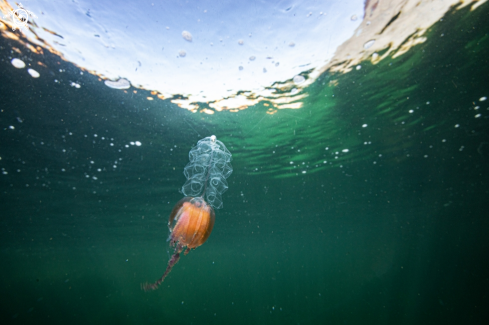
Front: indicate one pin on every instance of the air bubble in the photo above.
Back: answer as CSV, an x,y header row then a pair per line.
x,y
18,63
33,73
369,44
299,79
119,84
187,36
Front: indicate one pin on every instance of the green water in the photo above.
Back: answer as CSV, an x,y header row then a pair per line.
x,y
394,231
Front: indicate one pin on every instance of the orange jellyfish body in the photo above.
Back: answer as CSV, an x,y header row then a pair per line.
x,y
191,222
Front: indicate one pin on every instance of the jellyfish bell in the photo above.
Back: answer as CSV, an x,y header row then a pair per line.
x,y
191,222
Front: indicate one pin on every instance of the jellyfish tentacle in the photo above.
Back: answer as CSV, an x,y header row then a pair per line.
x,y
173,260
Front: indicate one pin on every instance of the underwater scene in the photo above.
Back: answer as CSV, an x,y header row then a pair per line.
x,y
244,162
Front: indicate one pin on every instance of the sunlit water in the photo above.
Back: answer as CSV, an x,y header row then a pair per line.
x,y
365,206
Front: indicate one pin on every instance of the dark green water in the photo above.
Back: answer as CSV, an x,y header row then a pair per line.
x,y
394,231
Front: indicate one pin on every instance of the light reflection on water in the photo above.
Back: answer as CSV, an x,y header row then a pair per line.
x,y
230,55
